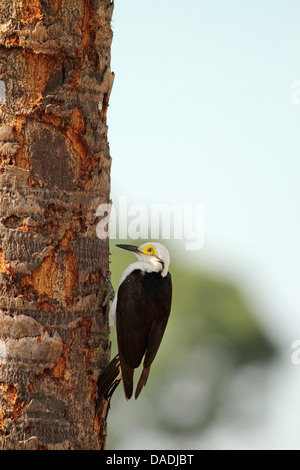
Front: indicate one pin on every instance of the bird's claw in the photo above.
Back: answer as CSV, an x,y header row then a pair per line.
x,y
110,291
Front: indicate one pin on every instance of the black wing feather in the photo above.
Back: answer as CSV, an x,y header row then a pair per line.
x,y
143,308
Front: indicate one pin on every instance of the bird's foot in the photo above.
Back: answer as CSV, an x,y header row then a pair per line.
x,y
110,291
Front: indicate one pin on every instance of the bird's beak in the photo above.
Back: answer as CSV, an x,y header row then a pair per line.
x,y
133,248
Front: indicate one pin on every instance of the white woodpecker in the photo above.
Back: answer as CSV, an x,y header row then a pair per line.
x,y
140,312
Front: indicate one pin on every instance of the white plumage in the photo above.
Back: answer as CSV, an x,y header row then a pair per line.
x,y
160,261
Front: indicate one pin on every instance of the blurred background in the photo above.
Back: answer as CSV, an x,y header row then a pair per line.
x,y
204,110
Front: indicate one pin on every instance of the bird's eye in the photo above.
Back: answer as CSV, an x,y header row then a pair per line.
x,y
149,250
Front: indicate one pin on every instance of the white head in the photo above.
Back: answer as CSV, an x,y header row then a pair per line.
x,y
153,254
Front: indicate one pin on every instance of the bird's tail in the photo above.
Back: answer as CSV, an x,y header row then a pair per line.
x,y
108,380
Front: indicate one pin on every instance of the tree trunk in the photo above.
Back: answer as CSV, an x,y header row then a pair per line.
x,y
55,82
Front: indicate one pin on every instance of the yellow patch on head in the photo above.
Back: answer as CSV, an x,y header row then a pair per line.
x,y
149,250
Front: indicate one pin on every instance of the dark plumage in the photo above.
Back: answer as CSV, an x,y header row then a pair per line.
x,y
144,303
108,380
140,313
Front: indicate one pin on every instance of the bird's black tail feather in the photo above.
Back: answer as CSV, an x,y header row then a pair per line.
x,y
143,380
108,380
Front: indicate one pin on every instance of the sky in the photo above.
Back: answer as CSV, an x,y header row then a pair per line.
x,y
205,109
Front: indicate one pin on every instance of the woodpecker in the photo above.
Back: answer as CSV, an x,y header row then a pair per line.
x,y
140,312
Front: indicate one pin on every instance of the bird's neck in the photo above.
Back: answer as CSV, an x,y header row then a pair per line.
x,y
142,266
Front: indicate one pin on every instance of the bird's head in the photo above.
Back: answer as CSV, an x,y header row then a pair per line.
x,y
152,253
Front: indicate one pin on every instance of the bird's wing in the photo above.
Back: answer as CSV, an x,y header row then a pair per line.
x,y
130,333
143,307
132,325
158,326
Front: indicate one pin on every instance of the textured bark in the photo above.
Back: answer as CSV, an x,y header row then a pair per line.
x,y
55,82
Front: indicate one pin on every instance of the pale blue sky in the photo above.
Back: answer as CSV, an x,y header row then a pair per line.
x,y
201,111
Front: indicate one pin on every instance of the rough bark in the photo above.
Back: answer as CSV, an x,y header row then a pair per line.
x,y
55,82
